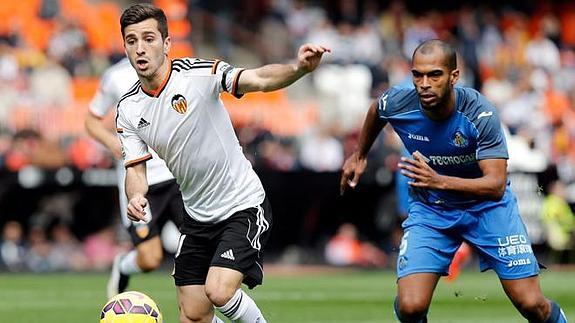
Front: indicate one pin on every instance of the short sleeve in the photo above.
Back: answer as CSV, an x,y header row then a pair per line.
x,y
134,149
383,103
228,77
103,100
491,142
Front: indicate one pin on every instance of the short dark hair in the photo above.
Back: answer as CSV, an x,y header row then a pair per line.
x,y
140,12
449,52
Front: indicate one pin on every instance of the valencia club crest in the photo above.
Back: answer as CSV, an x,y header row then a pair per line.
x,y
179,103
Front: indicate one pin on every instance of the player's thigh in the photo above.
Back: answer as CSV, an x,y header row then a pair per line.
x,y
193,257
222,283
242,241
502,243
194,304
416,290
424,249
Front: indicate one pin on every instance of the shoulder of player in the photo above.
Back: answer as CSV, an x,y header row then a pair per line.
x,y
121,67
194,66
398,100
474,105
131,95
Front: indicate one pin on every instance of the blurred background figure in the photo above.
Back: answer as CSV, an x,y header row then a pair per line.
x,y
346,249
559,223
12,247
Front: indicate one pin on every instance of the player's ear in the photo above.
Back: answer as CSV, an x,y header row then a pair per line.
x,y
454,75
167,45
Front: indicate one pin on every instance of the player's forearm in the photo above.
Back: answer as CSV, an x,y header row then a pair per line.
x,y
270,77
136,182
371,128
99,132
484,187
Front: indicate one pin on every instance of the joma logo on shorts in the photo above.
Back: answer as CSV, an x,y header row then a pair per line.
x,y
519,262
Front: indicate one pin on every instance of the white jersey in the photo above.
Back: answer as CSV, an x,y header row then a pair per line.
x,y
115,82
186,123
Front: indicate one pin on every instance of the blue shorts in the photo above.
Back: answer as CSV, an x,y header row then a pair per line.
x,y
432,235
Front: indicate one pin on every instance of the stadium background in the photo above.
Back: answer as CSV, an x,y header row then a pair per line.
x,y
58,199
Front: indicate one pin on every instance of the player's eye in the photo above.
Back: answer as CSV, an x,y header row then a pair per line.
x,y
435,75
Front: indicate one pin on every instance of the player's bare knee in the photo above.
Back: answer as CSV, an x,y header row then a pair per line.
x,y
195,314
149,261
219,294
184,318
412,307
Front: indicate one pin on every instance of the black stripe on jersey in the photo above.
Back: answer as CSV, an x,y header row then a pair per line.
x,y
177,66
186,63
224,76
215,67
133,90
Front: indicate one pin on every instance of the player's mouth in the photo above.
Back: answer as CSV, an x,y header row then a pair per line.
x,y
142,63
427,97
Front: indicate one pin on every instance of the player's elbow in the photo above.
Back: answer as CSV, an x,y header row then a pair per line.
x,y
497,191
90,124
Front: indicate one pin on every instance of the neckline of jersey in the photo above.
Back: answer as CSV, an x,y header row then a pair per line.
x,y
455,108
156,92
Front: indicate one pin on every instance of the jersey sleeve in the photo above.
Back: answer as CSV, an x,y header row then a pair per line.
x,y
104,99
393,101
228,77
134,149
491,142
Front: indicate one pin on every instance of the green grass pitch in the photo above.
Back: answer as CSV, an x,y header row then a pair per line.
x,y
346,297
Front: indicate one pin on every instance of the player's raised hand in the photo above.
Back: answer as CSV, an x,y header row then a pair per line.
x,y
352,170
309,56
420,172
136,209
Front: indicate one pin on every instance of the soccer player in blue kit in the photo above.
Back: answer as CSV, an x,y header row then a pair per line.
x,y
458,187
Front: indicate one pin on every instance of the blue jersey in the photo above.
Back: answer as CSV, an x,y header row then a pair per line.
x,y
451,147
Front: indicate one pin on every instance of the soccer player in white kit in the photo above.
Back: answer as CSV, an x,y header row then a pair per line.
x,y
164,194
175,109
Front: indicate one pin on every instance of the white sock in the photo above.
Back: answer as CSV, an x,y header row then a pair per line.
x,y
216,319
242,309
129,263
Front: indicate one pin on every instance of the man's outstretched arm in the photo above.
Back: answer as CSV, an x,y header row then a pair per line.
x,y
97,130
276,76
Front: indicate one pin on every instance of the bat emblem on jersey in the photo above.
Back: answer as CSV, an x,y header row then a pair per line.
x,y
459,139
179,103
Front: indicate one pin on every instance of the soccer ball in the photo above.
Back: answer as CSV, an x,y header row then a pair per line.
x,y
131,307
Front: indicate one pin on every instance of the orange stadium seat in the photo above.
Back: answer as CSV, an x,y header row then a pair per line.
x,y
78,9
181,49
83,88
273,110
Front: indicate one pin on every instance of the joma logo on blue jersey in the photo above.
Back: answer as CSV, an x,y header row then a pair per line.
x,y
417,137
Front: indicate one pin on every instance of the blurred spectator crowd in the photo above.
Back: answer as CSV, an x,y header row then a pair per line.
x,y
521,56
